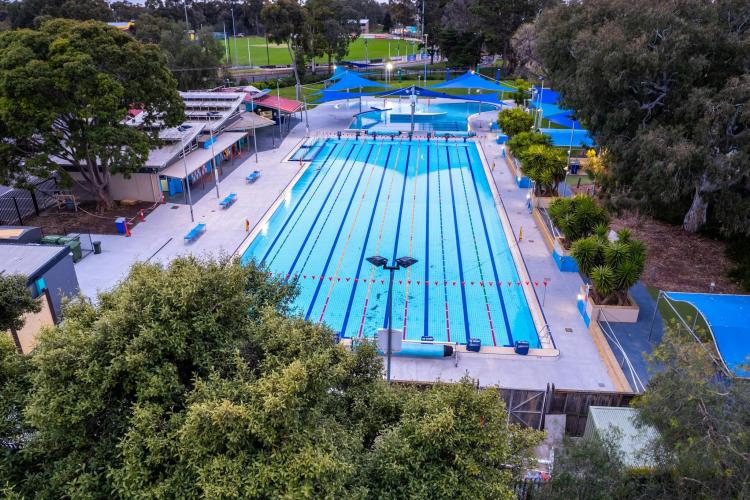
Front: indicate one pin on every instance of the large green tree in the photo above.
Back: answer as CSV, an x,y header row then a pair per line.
x,y
331,29
23,13
65,92
193,381
665,87
288,22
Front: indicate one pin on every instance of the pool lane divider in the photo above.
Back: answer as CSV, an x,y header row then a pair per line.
x,y
476,246
333,279
338,232
411,240
492,253
296,206
380,239
442,246
320,211
398,224
364,245
458,246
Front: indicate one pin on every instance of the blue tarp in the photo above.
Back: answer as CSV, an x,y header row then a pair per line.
x,y
353,81
471,80
328,95
567,137
727,317
565,119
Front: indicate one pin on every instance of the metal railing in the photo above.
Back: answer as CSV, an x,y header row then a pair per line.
x,y
635,381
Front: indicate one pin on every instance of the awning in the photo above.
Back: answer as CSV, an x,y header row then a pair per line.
x,y
568,137
249,121
278,103
354,81
200,157
471,80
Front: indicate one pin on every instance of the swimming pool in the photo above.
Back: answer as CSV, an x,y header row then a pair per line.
x,y
427,199
429,116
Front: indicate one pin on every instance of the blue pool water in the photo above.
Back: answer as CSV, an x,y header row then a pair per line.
x,y
430,200
449,116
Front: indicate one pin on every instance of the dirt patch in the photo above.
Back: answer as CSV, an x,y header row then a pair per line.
x,y
87,219
678,260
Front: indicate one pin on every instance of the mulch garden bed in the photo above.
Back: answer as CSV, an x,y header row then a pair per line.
x,y
86,219
678,260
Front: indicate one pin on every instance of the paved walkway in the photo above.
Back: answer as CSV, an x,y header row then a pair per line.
x,y
160,239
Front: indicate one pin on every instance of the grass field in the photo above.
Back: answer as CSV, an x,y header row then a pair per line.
x,y
255,46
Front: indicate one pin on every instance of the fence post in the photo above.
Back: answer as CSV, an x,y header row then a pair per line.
x,y
33,200
18,211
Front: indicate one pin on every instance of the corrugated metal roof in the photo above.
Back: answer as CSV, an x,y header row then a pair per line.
x,y
633,438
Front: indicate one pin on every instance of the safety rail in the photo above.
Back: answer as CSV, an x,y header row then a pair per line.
x,y
609,333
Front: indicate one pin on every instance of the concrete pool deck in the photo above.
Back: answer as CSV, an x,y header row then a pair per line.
x,y
160,239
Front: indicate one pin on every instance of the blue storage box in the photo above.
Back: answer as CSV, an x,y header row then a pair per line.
x,y
522,347
474,345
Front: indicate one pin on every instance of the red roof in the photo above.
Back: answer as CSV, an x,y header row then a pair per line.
x,y
271,101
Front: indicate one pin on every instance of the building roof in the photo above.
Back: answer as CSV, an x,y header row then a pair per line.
x,y
634,439
200,157
274,102
29,259
249,121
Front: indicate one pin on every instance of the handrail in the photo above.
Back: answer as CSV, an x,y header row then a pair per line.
x,y
637,382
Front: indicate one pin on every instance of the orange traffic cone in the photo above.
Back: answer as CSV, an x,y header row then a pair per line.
x,y
127,230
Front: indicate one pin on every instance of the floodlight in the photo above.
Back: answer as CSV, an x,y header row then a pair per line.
x,y
377,261
406,261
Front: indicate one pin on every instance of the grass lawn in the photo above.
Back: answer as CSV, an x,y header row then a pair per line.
x,y
278,54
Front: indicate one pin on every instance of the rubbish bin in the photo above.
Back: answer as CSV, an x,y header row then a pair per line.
x,y
75,249
120,225
522,347
97,247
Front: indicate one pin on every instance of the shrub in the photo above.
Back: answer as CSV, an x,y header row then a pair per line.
x,y
519,142
520,95
577,217
545,166
514,121
612,266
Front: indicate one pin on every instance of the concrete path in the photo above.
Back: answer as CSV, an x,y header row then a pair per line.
x,y
160,239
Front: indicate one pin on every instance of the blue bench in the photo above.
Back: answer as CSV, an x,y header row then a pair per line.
x,y
227,202
195,232
253,176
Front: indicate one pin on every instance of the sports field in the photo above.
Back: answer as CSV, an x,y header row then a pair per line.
x,y
255,46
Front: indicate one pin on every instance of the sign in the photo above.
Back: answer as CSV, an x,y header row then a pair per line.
x,y
381,337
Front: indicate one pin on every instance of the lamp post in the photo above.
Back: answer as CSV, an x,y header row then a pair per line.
x,y
401,263
180,129
213,154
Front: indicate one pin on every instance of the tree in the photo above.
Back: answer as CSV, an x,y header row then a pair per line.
x,y
612,266
15,301
522,140
288,22
402,11
545,165
672,115
514,121
212,389
523,43
387,22
331,30
23,14
577,217
194,62
14,386
65,95
453,429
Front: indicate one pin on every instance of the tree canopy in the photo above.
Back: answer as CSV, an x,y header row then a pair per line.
x,y
665,87
64,95
193,380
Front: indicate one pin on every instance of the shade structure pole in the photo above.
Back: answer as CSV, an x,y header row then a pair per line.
x,y
389,354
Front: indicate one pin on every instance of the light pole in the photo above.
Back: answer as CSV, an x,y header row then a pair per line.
x,y
180,129
388,69
213,154
401,263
